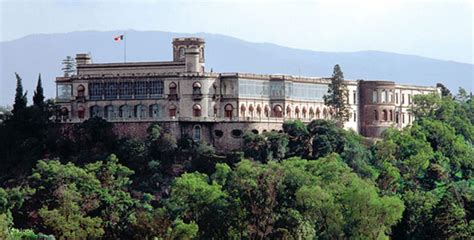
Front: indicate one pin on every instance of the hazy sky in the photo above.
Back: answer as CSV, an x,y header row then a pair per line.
x,y
440,29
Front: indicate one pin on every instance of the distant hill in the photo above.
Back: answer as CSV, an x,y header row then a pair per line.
x,y
42,53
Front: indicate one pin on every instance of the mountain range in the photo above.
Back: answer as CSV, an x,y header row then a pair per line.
x,y
43,53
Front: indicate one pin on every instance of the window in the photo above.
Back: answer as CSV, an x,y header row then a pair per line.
x,y
126,90
409,98
297,112
391,97
141,89
396,98
376,115
197,133
354,97
109,112
403,98
242,110
156,88
304,112
278,111
374,96
181,53
64,91
197,110
154,111
288,111
80,113
228,111
95,91
384,96
267,111
355,116
254,131
197,88
237,133
391,115
95,111
259,110
251,110
325,113
64,114
409,118
80,91
172,111
124,111
397,117
110,90
384,115
173,88
140,111
218,133
403,117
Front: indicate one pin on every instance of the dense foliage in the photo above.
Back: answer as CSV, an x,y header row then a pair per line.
x,y
314,181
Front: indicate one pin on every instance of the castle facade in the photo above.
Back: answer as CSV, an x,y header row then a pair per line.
x,y
219,107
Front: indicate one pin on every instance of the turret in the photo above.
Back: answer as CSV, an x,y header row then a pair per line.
x,y
190,51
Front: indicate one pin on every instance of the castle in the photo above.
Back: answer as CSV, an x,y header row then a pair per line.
x,y
219,107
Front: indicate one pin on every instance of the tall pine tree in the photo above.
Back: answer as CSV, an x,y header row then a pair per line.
x,y
338,96
38,97
20,97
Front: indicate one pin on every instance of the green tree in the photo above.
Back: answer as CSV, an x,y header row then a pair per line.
x,y
20,97
38,97
69,66
338,97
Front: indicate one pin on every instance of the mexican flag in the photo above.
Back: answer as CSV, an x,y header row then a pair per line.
x,y
118,38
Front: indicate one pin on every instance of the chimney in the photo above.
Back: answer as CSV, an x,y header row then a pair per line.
x,y
83,58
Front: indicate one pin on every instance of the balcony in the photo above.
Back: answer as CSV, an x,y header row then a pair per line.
x,y
197,96
173,97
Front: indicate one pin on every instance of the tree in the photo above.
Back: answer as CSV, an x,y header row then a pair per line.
x,y
444,90
20,97
338,97
38,97
69,66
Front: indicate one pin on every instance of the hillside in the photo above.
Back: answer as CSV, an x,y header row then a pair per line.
x,y
42,53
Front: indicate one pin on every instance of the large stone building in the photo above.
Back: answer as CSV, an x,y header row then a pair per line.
x,y
218,107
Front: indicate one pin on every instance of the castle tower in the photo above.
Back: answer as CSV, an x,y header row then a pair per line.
x,y
190,51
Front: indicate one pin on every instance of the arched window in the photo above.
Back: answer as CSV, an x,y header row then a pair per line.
x,y
311,113
304,112
197,110
109,112
215,110
384,115
288,111
181,52
197,133
81,91
376,115
125,112
95,111
140,111
197,88
172,111
80,113
391,115
173,88
267,111
154,111
318,113
251,110
64,114
384,96
297,112
325,113
242,110
259,110
278,111
374,96
229,111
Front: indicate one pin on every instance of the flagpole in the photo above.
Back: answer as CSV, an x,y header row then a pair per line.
x,y
124,48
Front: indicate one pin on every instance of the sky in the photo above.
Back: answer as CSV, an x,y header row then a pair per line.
x,y
441,29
